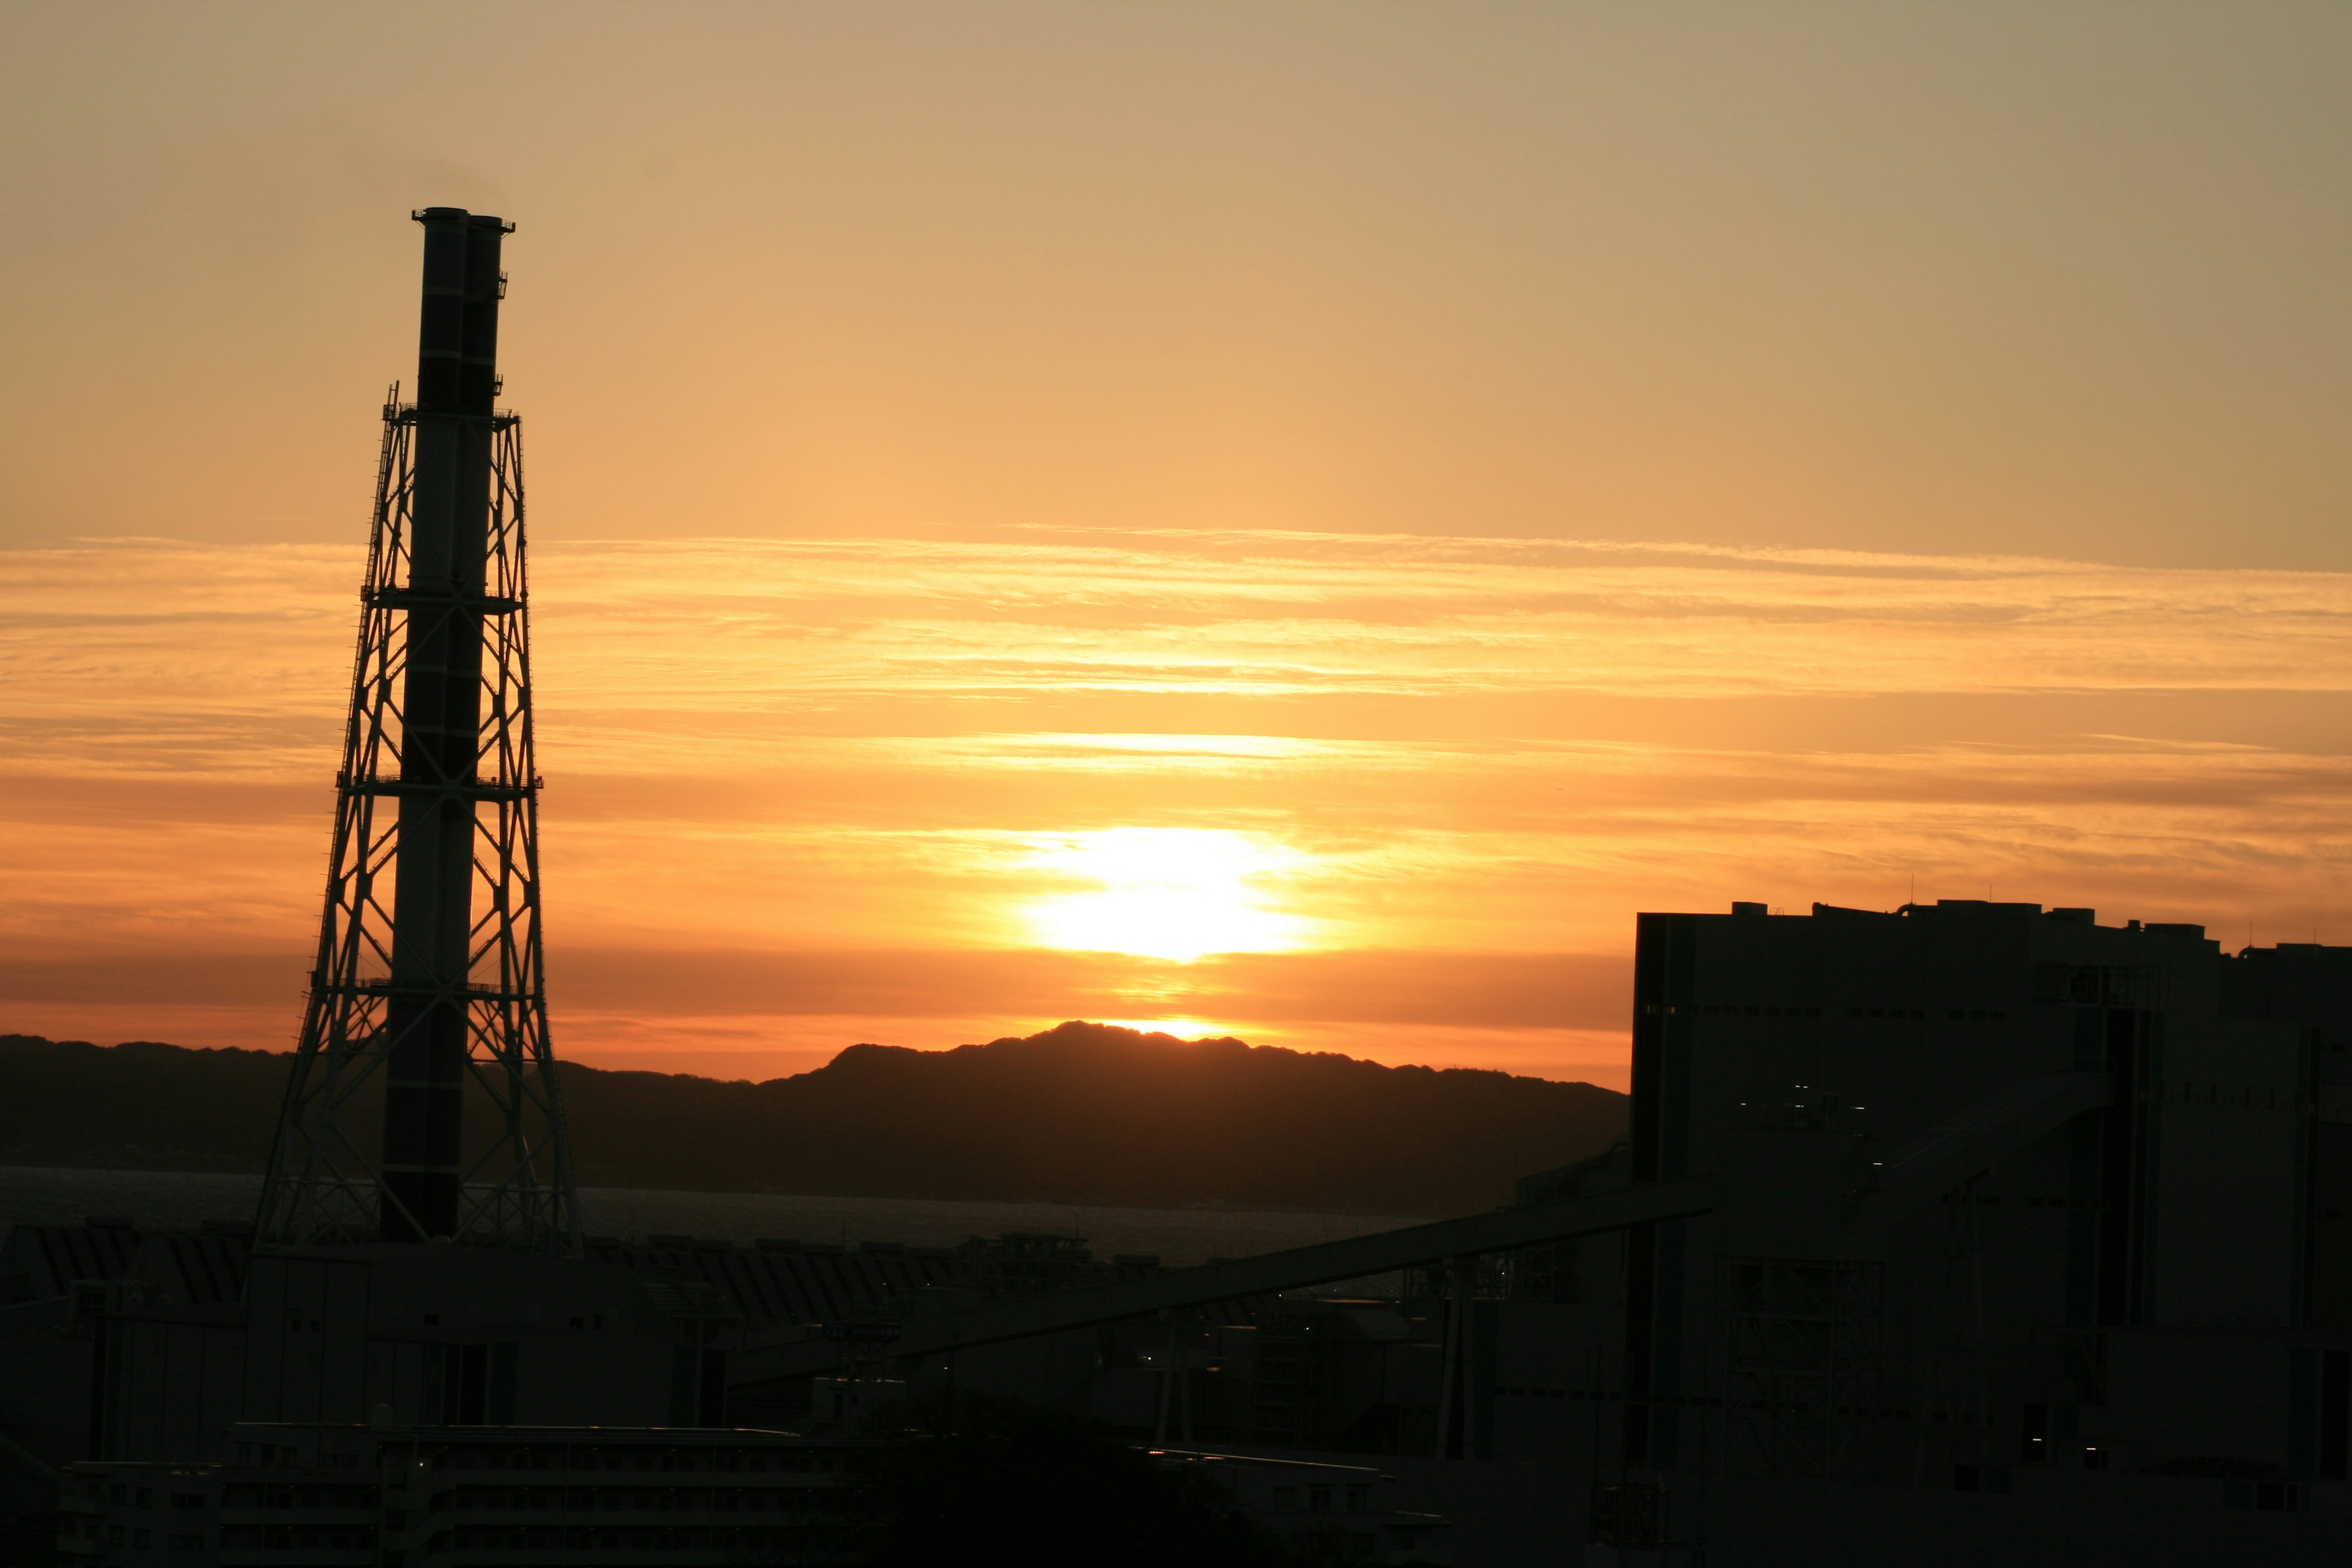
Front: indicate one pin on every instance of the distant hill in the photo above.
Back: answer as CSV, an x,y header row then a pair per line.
x,y
1081,1113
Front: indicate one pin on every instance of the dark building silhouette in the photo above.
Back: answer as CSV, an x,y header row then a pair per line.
x,y
2017,1208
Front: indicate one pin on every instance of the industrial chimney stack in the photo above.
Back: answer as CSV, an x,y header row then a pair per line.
x,y
430,998
456,380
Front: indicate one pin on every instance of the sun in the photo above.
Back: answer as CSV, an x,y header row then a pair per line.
x,y
1165,892
1182,1028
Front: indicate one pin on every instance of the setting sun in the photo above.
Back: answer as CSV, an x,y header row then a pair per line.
x,y
1165,892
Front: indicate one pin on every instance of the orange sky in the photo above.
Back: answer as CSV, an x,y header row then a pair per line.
x,y
1291,520
803,792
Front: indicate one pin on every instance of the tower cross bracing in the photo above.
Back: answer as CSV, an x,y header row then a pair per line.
x,y
422,1103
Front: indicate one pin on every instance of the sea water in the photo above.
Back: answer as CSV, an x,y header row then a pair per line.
x,y
46,1196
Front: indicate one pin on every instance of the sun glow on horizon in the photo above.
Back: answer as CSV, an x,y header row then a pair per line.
x,y
1182,1028
1177,893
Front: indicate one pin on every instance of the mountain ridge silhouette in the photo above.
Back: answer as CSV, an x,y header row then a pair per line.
x,y
1083,1112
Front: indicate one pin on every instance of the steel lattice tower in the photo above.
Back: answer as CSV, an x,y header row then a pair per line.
x,y
427,1009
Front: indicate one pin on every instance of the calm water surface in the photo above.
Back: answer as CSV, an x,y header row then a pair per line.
x,y
36,1194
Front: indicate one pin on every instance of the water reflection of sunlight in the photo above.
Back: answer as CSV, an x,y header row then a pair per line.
x,y
1165,892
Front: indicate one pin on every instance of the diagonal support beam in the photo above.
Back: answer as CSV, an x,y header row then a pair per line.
x,y
1914,1174
1384,1253
1983,1134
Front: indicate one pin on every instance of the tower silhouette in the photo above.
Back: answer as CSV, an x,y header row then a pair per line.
x,y
423,1103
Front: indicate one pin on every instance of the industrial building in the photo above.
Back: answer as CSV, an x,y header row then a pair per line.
x,y
2039,1214
329,1493
1968,1232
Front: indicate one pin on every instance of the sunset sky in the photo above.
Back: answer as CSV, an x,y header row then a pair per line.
x,y
1295,520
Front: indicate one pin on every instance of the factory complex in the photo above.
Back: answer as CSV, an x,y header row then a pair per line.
x,y
1968,1232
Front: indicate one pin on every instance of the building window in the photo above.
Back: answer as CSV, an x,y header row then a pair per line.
x,y
1286,1497
1318,1499
1359,1500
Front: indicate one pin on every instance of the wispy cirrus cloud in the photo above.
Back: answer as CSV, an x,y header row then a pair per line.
x,y
1446,746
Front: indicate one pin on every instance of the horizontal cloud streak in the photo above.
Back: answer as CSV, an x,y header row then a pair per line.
x,y
1502,748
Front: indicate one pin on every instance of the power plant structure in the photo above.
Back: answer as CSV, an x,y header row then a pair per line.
x,y
428,1001
1963,1233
